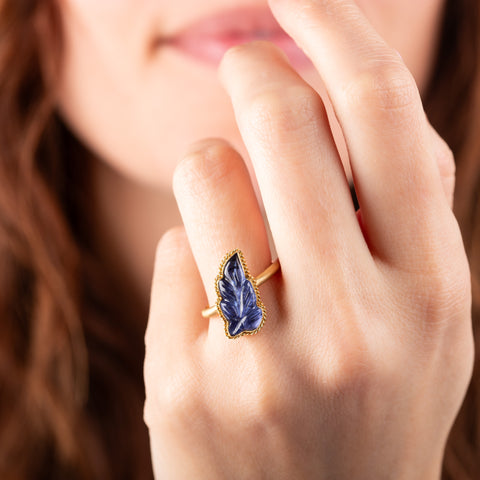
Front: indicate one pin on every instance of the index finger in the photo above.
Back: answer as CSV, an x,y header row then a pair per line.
x,y
380,111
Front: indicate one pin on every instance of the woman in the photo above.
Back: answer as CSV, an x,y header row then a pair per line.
x,y
372,388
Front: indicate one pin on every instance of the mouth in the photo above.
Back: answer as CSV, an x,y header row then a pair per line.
x,y
208,39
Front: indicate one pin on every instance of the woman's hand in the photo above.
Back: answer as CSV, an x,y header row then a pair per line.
x,y
367,350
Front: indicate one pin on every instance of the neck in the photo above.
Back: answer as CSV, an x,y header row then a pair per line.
x,y
129,219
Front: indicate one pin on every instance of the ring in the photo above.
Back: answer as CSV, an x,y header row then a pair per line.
x,y
238,298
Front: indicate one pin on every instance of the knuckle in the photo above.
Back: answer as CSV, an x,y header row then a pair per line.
x,y
172,240
170,398
149,340
212,162
151,407
442,292
447,291
445,160
261,399
277,114
150,373
267,408
387,85
346,368
169,253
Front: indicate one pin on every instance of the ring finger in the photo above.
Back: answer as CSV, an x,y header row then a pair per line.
x,y
220,212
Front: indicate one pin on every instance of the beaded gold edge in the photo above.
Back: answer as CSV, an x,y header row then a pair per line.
x,y
255,288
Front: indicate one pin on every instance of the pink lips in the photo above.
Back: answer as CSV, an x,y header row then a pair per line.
x,y
209,38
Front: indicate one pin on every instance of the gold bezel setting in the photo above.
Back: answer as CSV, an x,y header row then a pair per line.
x,y
253,282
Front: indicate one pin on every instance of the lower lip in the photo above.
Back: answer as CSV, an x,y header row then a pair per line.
x,y
210,49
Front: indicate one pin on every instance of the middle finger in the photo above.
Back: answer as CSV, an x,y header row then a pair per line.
x,y
286,131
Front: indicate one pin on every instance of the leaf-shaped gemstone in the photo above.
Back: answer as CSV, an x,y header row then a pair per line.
x,y
238,300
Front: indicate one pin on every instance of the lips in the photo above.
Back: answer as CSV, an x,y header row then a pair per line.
x,y
208,39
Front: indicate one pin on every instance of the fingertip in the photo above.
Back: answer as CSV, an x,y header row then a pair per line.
x,y
205,144
231,63
224,65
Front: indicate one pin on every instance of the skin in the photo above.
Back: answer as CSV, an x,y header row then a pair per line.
x,y
119,93
367,351
119,96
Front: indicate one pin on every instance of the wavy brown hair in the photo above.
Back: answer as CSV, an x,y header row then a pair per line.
x,y
71,389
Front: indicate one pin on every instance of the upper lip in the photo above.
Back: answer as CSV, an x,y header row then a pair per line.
x,y
237,22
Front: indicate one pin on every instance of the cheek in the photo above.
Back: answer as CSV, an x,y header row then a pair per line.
x,y
103,27
138,111
141,120
105,77
95,8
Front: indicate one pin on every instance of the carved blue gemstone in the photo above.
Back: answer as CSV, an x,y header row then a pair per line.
x,y
238,299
